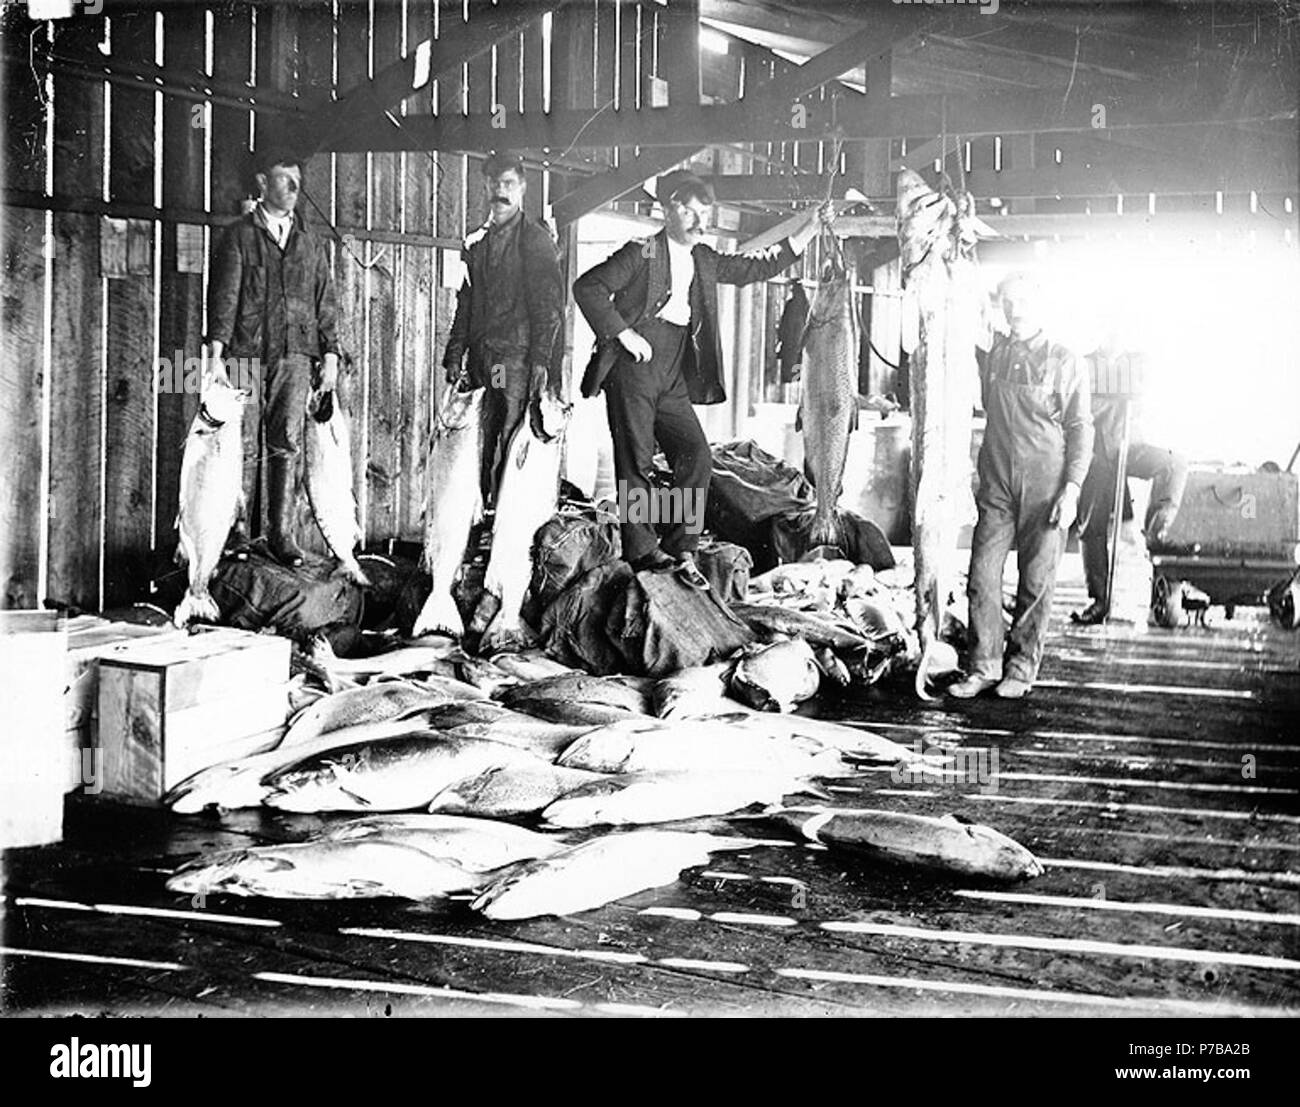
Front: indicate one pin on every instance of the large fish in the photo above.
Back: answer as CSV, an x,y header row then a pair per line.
x,y
453,502
946,844
530,665
238,783
697,690
850,741
509,792
530,483
390,774
599,871
799,624
363,868
577,689
371,703
212,470
478,845
828,409
635,799
937,232
328,478
700,745
776,677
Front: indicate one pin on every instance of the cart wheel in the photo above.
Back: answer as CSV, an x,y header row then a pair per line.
x,y
1166,602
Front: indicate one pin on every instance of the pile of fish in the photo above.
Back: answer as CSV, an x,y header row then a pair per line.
x,y
428,765
857,622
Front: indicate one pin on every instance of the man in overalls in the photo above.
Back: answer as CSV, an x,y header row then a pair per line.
x,y
1037,446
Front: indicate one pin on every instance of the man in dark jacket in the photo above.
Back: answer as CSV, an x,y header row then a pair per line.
x,y
790,331
1116,378
654,307
509,313
271,314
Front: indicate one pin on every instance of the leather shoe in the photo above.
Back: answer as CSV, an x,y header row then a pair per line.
x,y
1091,615
689,573
1012,688
656,561
972,686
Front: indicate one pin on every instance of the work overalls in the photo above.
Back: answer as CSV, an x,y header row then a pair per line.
x,y
1033,392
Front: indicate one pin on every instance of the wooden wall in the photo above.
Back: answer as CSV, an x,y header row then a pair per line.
x,y
149,116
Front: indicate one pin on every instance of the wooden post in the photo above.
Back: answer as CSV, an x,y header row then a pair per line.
x,y
1117,506
680,62
76,348
383,460
129,418
180,305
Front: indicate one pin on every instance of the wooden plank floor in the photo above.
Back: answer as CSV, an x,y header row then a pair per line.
x,y
1156,774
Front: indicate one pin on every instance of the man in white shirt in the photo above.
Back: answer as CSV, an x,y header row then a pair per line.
x,y
654,307
272,315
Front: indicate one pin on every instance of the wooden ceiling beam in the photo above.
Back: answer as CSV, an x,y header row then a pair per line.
x,y
769,103
346,123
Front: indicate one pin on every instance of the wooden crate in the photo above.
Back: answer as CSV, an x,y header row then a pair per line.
x,y
32,647
176,704
89,639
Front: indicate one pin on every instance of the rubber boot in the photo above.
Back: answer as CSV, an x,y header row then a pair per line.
x,y
282,505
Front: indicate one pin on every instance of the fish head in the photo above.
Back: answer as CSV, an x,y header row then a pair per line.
x,y
222,404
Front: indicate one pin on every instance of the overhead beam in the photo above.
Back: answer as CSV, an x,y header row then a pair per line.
x,y
769,102
708,125
1044,182
1178,225
346,123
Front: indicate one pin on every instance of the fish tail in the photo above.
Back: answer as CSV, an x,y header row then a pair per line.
x,y
355,573
196,608
439,615
824,531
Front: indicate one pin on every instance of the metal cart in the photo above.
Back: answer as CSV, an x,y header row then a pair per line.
x,y
1236,538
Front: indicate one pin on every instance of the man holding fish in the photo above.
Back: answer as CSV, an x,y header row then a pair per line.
x,y
271,303
1036,451
509,313
653,308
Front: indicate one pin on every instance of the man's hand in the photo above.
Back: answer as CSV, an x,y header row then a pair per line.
x,y
820,216
537,382
1065,508
329,372
635,345
451,363
219,374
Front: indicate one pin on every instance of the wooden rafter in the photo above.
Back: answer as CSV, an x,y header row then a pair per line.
x,y
768,103
346,123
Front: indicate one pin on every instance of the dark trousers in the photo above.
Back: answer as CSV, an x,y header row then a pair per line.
x,y
1013,513
504,405
272,431
1166,471
645,403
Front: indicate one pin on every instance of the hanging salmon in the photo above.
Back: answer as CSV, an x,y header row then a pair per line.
x,y
937,232
828,411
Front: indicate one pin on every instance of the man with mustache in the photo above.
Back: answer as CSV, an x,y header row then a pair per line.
x,y
654,307
509,313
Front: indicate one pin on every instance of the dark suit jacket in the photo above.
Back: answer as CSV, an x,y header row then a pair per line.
x,y
514,307
264,302
634,283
